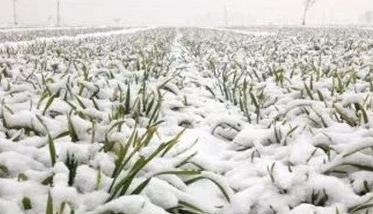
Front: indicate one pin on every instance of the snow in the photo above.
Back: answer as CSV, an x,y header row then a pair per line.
x,y
130,205
160,194
8,207
68,38
270,124
253,137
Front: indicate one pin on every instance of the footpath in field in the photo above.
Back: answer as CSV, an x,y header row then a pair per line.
x,y
194,108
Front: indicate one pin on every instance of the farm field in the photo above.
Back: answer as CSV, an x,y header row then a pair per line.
x,y
27,34
187,120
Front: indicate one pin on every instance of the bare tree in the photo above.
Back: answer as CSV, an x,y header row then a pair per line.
x,y
117,21
307,6
368,17
15,22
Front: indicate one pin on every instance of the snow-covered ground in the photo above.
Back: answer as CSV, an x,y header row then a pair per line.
x,y
27,34
75,37
188,121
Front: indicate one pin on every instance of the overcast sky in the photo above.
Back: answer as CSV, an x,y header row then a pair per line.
x,y
183,12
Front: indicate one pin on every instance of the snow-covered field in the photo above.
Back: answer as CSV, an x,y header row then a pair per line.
x,y
26,34
163,120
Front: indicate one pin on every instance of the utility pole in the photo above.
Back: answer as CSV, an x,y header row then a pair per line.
x,y
15,23
225,14
58,18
